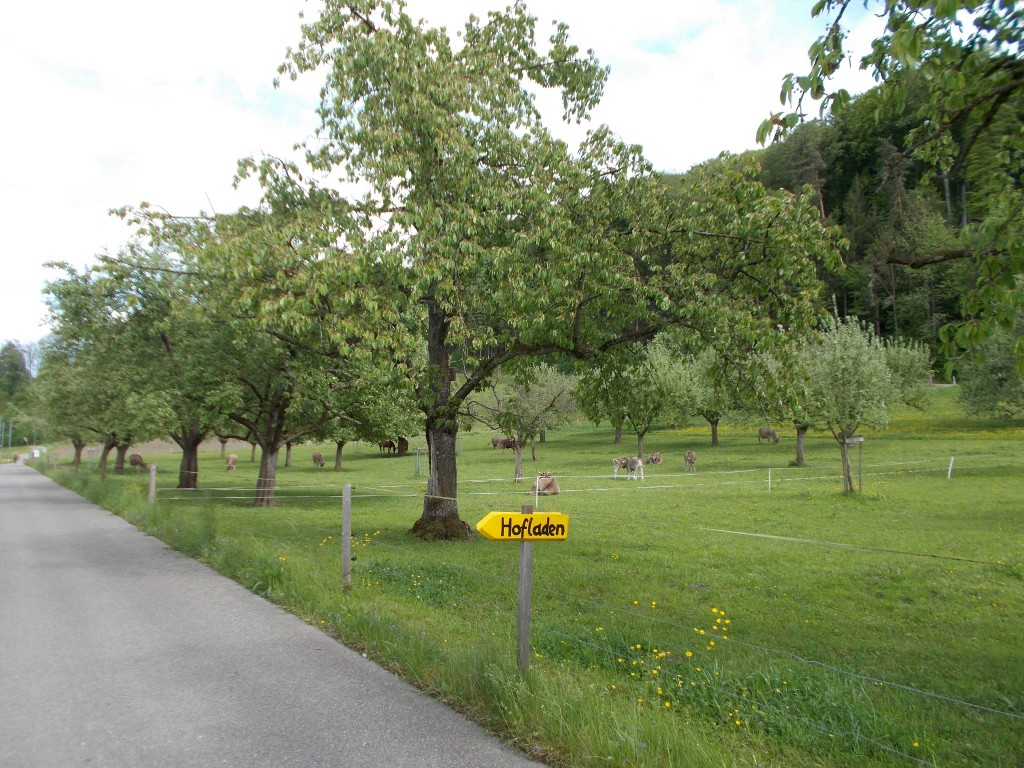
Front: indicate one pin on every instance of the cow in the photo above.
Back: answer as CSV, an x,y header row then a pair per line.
x,y
508,442
635,465
496,442
386,445
318,459
767,433
619,463
232,460
691,461
654,458
546,485
135,460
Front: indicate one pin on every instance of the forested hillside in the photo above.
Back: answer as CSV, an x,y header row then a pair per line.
x,y
910,227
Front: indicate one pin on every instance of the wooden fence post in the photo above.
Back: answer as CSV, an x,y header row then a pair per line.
x,y
525,590
346,537
152,483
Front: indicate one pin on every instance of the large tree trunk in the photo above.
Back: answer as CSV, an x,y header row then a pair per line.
x,y
108,446
801,434
189,442
223,447
618,434
440,519
122,452
79,446
640,446
337,455
267,480
288,454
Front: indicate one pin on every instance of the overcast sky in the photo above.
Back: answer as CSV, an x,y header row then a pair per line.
x,y
116,102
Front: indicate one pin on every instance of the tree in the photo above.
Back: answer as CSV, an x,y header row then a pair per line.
x,y
718,388
15,381
642,386
537,397
14,372
991,384
848,384
490,240
95,334
968,55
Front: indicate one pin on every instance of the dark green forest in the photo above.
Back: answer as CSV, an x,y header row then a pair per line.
x,y
913,246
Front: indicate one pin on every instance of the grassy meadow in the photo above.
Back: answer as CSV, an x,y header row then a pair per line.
x,y
746,614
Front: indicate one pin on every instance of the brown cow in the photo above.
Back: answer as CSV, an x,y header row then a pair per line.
x,y
135,460
231,460
767,433
318,459
386,445
654,458
546,485
508,442
691,461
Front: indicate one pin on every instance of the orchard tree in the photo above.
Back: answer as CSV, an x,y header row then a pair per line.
x,y
718,383
95,332
852,379
534,398
969,56
481,238
644,384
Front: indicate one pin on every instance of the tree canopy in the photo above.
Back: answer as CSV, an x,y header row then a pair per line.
x,y
476,232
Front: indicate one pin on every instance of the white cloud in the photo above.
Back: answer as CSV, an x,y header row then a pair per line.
x,y
113,103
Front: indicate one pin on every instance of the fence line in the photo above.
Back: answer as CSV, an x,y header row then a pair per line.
x,y
675,625
636,616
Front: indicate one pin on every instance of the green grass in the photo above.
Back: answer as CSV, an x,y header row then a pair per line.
x,y
880,628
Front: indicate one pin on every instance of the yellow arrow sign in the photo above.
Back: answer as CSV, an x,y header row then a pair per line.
x,y
513,526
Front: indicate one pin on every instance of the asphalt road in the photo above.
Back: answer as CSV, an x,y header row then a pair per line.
x,y
116,651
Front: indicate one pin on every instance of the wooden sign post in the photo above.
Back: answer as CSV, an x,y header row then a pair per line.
x,y
525,528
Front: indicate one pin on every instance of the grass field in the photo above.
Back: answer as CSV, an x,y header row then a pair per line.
x,y
748,614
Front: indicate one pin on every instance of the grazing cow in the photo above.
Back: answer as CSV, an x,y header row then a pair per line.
x,y
767,433
508,442
635,465
386,445
496,442
135,460
232,460
619,463
654,458
546,485
318,459
691,461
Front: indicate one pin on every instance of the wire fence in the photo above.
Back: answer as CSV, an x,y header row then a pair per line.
x,y
772,480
